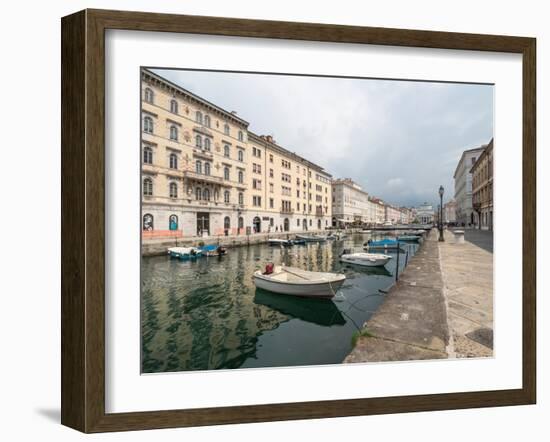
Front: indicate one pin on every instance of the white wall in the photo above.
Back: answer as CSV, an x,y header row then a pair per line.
x,y
30,380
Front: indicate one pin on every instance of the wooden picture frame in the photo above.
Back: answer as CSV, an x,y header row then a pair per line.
x,y
83,220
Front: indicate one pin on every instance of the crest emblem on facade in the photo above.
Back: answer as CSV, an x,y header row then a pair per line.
x,y
187,135
218,147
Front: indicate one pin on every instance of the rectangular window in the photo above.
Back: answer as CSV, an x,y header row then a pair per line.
x,y
271,203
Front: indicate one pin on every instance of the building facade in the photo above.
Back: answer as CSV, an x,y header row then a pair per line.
x,y
463,186
379,209
288,192
449,211
392,214
204,173
482,189
350,204
425,214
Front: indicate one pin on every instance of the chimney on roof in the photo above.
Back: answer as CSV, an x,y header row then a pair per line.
x,y
269,138
233,112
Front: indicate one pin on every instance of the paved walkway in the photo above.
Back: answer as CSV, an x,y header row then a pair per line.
x,y
441,307
411,324
467,271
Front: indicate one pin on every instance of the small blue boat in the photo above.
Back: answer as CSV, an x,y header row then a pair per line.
x,y
184,252
382,244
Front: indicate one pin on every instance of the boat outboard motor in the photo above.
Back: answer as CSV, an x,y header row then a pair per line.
x,y
345,252
221,250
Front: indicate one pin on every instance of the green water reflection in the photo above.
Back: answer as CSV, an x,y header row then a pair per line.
x,y
207,314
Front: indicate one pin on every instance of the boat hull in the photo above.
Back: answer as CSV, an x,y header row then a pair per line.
x,y
376,262
311,238
280,242
184,253
318,290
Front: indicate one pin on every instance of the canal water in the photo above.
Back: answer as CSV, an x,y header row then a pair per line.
x,y
207,314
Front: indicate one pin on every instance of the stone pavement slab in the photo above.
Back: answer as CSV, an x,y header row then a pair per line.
x,y
467,272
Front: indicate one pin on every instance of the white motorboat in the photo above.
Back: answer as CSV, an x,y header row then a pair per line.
x,y
366,259
279,242
297,282
184,252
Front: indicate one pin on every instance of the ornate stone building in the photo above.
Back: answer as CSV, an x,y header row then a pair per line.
x,y
351,204
463,185
482,189
204,173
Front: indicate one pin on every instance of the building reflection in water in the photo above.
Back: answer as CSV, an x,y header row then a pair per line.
x,y
207,314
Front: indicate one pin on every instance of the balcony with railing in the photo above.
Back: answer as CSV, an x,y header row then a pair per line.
x,y
189,174
202,153
287,210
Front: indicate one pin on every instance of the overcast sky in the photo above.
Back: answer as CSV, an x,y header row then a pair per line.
x,y
398,139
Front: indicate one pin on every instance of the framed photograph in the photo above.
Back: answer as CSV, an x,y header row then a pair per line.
x,y
269,220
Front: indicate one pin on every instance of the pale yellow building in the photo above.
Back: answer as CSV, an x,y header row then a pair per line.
x,y
204,173
288,192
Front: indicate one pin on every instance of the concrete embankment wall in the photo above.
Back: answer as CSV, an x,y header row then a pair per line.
x,y
156,247
411,324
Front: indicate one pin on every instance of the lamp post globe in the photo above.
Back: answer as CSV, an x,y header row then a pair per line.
x,y
441,191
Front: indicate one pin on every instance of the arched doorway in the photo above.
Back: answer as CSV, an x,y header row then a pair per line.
x,y
226,225
318,224
240,225
148,222
173,222
304,224
286,224
257,224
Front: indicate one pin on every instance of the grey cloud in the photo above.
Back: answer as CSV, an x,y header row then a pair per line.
x,y
400,140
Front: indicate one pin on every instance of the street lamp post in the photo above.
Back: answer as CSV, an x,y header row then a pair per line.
x,y
441,190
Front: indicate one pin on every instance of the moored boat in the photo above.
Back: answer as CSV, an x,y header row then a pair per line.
x,y
297,282
312,238
280,242
213,250
298,242
184,252
365,259
382,244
